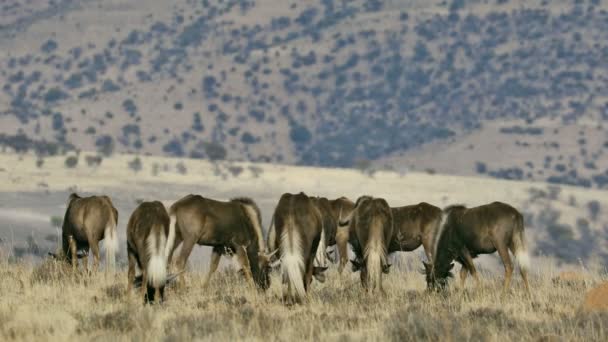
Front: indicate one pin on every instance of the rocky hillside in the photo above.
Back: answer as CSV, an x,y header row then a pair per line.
x,y
507,88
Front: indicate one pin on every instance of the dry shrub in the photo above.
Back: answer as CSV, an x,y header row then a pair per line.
x,y
570,278
115,292
51,271
410,325
192,327
122,320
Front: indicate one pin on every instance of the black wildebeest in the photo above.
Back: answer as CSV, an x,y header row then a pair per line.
x,y
298,231
467,232
339,206
87,221
148,245
232,227
413,225
371,228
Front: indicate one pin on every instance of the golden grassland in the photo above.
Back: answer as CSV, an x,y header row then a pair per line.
x,y
48,302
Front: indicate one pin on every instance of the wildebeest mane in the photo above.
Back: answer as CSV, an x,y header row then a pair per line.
x,y
451,207
251,203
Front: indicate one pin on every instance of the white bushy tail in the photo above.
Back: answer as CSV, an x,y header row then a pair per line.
x,y
375,255
292,263
110,243
520,249
157,262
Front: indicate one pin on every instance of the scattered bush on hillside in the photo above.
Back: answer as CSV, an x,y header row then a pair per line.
x,y
215,151
105,145
135,164
71,162
93,161
594,209
181,168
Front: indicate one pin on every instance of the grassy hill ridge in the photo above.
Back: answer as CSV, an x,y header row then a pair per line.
x,y
317,82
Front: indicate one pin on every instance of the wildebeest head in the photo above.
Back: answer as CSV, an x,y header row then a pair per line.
x,y
261,273
437,276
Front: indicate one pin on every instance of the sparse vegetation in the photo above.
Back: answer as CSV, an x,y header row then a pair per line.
x,y
71,162
81,307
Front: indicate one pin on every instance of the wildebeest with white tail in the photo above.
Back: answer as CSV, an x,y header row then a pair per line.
x,y
339,206
413,226
232,227
149,242
87,221
371,229
468,232
298,232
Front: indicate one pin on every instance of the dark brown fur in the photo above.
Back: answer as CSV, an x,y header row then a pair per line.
x,y
468,232
150,219
86,221
371,229
225,226
414,225
342,206
298,226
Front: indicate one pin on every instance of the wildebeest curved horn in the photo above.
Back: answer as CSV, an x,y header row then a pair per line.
x,y
270,255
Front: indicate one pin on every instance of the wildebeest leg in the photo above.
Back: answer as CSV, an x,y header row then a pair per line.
x,y
523,272
144,284
463,275
157,296
241,254
216,255
95,250
342,243
183,258
506,260
426,244
131,273
73,252
308,275
85,261
176,243
468,264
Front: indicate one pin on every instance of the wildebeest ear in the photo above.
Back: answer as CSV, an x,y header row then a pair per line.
x,y
427,266
386,268
275,263
269,255
451,266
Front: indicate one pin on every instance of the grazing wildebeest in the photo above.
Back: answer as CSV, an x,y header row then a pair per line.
x,y
148,245
339,206
298,231
232,227
330,228
87,221
413,225
371,229
467,232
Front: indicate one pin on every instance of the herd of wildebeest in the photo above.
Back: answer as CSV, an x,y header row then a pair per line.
x,y
299,241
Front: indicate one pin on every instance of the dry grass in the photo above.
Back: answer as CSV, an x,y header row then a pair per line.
x,y
45,303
